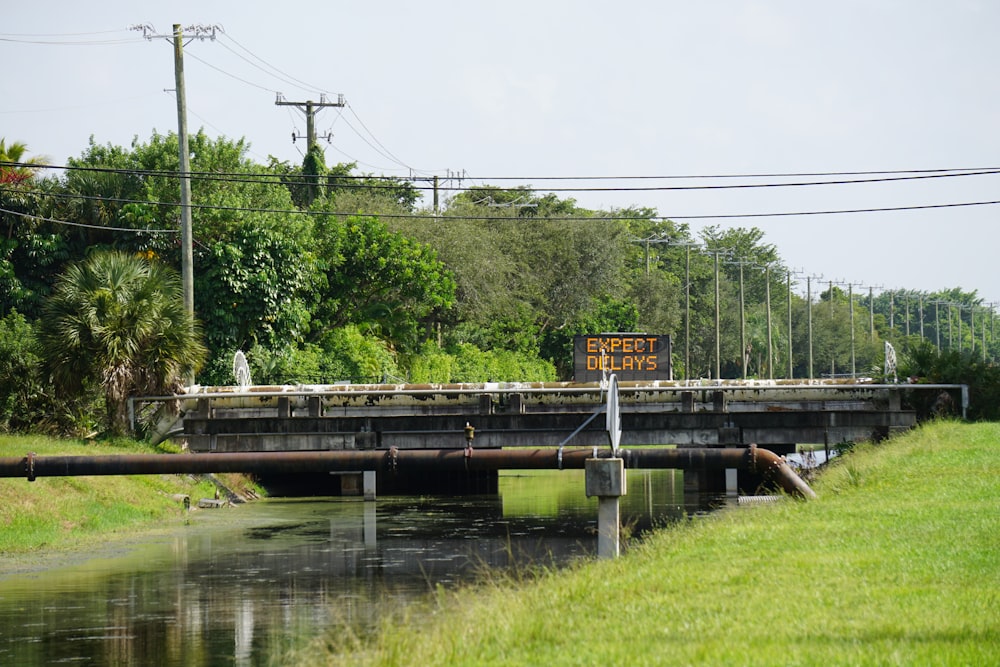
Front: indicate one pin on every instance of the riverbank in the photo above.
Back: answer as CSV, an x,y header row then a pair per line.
x,y
897,562
55,516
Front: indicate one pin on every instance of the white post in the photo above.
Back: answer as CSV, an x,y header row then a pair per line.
x,y
368,484
732,482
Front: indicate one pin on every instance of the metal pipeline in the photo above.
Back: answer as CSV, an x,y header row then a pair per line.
x,y
752,459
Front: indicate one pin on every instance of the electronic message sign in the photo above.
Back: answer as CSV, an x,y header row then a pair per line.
x,y
630,356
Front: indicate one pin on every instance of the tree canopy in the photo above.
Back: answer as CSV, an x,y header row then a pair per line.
x,y
321,273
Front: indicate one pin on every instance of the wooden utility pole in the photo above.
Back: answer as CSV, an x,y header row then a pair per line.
x,y
177,37
184,153
436,183
310,109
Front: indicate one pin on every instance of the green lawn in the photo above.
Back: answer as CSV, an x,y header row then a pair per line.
x,y
63,513
896,563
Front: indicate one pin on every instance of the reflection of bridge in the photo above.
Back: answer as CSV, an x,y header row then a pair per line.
x,y
775,415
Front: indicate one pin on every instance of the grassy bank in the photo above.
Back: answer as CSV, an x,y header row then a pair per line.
x,y
896,563
67,513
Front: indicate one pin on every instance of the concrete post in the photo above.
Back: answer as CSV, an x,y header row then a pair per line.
x,y
732,482
368,484
605,478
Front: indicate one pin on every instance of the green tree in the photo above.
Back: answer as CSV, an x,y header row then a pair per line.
x,y
15,167
21,386
255,288
379,280
118,321
31,249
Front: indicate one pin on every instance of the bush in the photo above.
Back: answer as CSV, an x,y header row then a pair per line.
x,y
21,391
468,363
927,365
28,402
344,355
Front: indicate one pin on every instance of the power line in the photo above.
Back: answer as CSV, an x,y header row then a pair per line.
x,y
883,209
285,78
88,226
429,216
58,39
230,74
255,177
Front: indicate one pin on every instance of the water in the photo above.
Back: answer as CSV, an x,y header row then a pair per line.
x,y
239,586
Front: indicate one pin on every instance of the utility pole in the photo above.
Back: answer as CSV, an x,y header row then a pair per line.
x,y
744,356
809,316
791,369
310,170
687,315
310,109
177,37
767,299
457,176
718,345
850,299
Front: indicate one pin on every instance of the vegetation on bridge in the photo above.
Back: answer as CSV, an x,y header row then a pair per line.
x,y
896,563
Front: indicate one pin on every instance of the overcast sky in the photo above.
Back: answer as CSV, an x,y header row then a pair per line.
x,y
546,89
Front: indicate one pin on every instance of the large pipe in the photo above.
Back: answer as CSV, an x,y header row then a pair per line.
x,y
752,459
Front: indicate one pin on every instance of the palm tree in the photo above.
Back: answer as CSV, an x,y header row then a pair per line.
x,y
12,169
119,320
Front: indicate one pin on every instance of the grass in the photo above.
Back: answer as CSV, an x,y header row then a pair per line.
x,y
70,513
896,563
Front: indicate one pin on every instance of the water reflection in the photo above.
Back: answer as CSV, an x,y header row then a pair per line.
x,y
239,585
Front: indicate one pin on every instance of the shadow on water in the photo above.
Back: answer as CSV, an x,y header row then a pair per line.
x,y
238,585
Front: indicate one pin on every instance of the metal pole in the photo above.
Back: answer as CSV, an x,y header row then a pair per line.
x,y
892,318
920,302
833,351
743,327
687,316
791,373
850,299
907,301
959,306
767,298
871,314
937,324
809,319
718,344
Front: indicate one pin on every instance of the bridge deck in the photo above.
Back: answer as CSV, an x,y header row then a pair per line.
x,y
771,414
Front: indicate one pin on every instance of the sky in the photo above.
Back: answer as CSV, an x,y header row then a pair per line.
x,y
543,93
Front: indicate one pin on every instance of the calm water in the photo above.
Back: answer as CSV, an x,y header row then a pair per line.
x,y
238,586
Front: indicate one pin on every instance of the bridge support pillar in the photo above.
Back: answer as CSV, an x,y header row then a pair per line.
x,y
605,478
732,482
705,481
368,484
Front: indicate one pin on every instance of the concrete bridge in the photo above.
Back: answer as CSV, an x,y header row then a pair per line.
x,y
774,415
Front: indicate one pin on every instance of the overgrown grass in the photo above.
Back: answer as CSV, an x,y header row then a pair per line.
x,y
896,563
66,513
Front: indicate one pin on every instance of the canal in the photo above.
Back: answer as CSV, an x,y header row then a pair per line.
x,y
240,586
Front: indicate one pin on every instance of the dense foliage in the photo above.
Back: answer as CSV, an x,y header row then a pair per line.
x,y
320,274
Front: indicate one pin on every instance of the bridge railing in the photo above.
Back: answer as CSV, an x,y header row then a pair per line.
x,y
635,398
